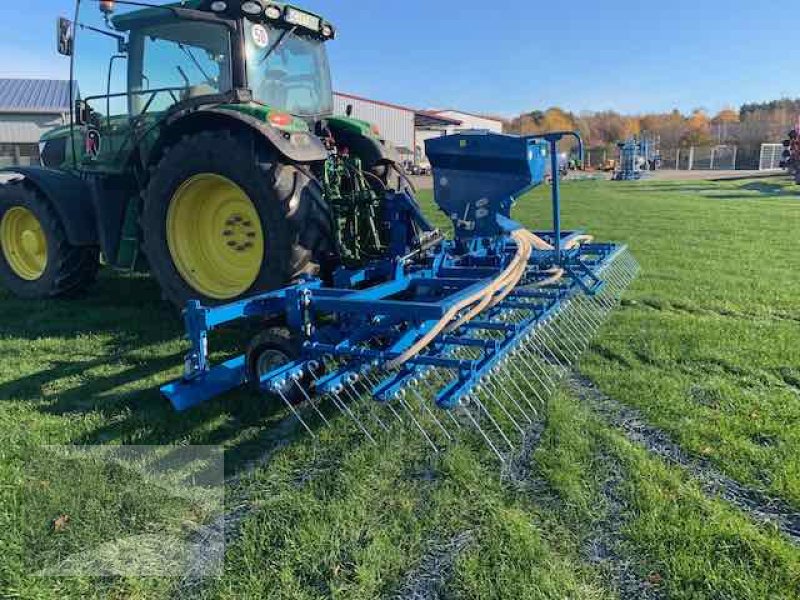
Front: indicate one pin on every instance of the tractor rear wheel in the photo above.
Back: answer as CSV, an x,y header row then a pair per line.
x,y
36,259
222,221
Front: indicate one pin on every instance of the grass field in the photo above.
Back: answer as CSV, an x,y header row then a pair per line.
x,y
669,467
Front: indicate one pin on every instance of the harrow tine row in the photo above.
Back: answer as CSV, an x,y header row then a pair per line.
x,y
505,402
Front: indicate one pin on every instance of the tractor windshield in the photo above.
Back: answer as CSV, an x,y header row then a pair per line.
x,y
288,70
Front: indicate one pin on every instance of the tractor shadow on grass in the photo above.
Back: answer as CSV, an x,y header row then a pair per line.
x,y
105,355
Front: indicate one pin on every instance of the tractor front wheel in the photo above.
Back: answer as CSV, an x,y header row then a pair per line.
x,y
222,220
36,259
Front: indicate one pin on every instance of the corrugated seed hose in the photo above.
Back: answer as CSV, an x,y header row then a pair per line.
x,y
494,293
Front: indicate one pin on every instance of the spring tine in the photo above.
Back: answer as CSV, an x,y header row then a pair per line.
x,y
512,365
587,314
311,402
566,341
510,396
502,391
417,423
545,338
483,433
578,333
489,392
394,412
449,413
491,419
425,407
342,406
353,396
296,414
530,358
559,343
509,376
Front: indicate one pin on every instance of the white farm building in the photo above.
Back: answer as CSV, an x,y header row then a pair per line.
x,y
408,128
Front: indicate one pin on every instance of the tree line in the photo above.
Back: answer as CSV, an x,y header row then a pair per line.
x,y
747,128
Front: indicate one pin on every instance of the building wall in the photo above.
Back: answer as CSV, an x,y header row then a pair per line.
x,y
20,133
395,124
426,134
469,121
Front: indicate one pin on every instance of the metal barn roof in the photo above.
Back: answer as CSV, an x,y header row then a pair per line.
x,y
34,96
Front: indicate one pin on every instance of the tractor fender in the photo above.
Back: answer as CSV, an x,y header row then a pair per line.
x,y
297,147
69,196
371,150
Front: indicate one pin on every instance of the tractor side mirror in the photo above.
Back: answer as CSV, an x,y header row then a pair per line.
x,y
83,112
65,36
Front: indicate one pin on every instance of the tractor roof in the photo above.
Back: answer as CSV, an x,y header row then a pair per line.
x,y
130,20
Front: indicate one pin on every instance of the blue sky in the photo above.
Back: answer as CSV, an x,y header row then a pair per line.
x,y
518,55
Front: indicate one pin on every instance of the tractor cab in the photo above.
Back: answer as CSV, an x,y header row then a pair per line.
x,y
137,65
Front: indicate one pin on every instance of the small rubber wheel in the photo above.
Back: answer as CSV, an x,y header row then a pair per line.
x,y
268,351
36,259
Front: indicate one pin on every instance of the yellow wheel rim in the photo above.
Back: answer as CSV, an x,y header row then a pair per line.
x,y
214,236
24,243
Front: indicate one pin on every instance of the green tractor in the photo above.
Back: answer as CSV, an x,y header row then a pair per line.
x,y
218,166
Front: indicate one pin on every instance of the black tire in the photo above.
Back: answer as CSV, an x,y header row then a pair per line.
x,y
268,350
294,218
69,269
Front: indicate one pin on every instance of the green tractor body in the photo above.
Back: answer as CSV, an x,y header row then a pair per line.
x,y
219,167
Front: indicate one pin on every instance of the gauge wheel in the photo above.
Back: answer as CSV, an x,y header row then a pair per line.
x,y
36,259
268,351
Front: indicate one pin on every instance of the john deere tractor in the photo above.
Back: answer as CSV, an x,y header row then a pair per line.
x,y
219,166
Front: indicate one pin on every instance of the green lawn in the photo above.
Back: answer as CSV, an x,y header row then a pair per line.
x,y
706,347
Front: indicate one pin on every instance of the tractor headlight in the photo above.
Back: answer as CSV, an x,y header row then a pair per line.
x,y
252,8
219,6
327,31
273,12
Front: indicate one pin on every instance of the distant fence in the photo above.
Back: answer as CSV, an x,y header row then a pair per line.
x,y
700,158
771,157
719,157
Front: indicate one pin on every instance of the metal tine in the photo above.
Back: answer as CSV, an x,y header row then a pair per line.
x,y
486,438
581,330
567,322
345,410
564,338
531,359
492,420
501,391
581,312
296,414
427,409
311,402
487,387
587,311
404,404
352,395
508,376
541,334
545,337
512,365
562,341
574,327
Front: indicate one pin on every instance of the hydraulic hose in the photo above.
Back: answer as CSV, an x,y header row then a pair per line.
x,y
494,292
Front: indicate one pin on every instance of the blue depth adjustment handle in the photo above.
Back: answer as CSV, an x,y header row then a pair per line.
x,y
478,175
